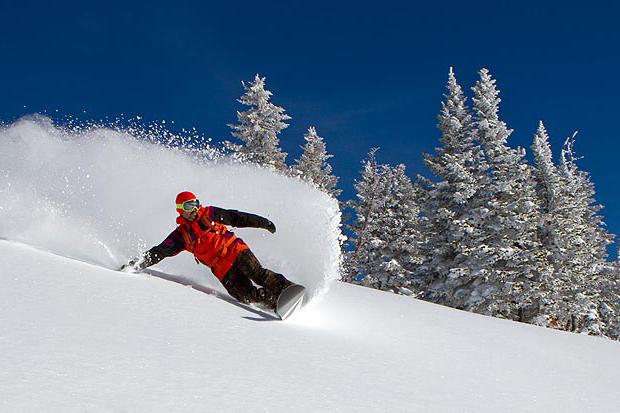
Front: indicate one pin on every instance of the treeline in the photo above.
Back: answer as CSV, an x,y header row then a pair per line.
x,y
489,233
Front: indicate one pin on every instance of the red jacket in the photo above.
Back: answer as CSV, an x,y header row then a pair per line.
x,y
207,238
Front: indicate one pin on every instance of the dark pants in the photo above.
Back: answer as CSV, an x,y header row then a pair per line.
x,y
247,268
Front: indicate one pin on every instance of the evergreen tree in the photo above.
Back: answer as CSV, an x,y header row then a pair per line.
x,y
549,186
401,235
592,234
589,285
259,127
504,254
554,207
365,228
313,166
555,230
459,165
387,229
582,293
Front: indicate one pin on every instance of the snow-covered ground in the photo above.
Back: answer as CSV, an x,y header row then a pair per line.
x,y
76,335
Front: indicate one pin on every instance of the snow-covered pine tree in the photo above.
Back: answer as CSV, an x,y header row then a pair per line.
x,y
590,285
555,229
576,182
583,293
259,127
504,253
610,307
459,165
546,173
366,226
402,235
387,235
313,165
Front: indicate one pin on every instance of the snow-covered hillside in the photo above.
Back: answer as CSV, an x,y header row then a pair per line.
x,y
75,335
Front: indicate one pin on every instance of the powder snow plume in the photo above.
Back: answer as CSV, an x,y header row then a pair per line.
x,y
103,195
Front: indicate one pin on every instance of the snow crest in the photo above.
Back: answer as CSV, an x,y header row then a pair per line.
x,y
101,195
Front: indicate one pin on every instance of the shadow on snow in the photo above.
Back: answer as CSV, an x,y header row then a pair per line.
x,y
263,315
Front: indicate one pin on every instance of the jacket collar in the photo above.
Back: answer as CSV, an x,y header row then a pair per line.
x,y
183,221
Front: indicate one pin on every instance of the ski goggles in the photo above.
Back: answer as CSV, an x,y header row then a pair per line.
x,y
189,206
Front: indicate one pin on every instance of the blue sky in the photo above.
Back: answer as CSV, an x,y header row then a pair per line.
x,y
364,74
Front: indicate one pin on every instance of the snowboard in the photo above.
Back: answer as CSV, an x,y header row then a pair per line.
x,y
290,300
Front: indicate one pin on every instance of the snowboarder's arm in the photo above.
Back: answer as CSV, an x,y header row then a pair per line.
x,y
240,219
172,245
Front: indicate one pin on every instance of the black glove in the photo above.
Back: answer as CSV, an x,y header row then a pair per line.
x,y
270,226
130,266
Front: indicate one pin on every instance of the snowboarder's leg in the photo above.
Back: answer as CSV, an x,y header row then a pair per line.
x,y
240,287
273,281
250,266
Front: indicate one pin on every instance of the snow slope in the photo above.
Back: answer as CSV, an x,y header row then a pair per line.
x,y
77,336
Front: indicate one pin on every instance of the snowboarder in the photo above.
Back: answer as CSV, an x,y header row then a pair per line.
x,y
203,231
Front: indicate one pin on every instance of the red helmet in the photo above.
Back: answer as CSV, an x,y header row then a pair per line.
x,y
186,202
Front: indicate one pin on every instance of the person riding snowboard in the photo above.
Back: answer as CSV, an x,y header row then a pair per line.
x,y
203,232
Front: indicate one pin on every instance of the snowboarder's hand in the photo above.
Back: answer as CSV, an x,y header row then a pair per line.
x,y
270,226
130,266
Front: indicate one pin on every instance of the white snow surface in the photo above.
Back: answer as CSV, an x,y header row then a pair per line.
x,y
75,335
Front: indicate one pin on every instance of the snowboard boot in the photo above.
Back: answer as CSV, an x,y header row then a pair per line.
x,y
285,283
267,298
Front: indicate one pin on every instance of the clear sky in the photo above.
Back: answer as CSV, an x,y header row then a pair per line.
x,y
363,74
